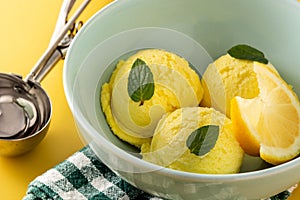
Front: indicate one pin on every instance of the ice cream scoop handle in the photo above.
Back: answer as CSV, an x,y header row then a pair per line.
x,y
56,56
51,49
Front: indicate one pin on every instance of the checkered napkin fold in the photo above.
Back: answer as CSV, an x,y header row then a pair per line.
x,y
84,177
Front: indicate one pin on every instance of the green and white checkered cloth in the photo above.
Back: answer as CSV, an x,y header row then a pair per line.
x,y
84,177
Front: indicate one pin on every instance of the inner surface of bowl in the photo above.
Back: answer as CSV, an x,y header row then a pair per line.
x,y
199,31
132,41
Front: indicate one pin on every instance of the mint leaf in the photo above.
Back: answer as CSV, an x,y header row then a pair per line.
x,y
140,82
203,139
246,52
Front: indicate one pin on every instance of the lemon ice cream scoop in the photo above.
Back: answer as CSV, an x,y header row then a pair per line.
x,y
176,85
228,77
168,147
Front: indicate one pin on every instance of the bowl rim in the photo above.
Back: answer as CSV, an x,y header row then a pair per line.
x,y
78,116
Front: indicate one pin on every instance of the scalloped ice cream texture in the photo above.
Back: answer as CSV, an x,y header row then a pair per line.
x,y
168,146
176,85
228,77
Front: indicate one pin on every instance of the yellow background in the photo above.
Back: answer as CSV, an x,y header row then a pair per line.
x,y
26,27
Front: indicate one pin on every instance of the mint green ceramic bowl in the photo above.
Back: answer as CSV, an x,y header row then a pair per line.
x,y
189,28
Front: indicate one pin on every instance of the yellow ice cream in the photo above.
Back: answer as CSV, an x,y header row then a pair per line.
x,y
176,85
168,147
228,77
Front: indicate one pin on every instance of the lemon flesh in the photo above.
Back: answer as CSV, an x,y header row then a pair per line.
x,y
269,124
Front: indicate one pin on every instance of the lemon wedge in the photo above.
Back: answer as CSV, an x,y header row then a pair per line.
x,y
268,125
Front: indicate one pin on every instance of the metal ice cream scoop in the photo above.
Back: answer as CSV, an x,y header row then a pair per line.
x,y
25,108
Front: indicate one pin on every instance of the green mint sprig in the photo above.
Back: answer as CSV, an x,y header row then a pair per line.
x,y
203,139
246,52
140,82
